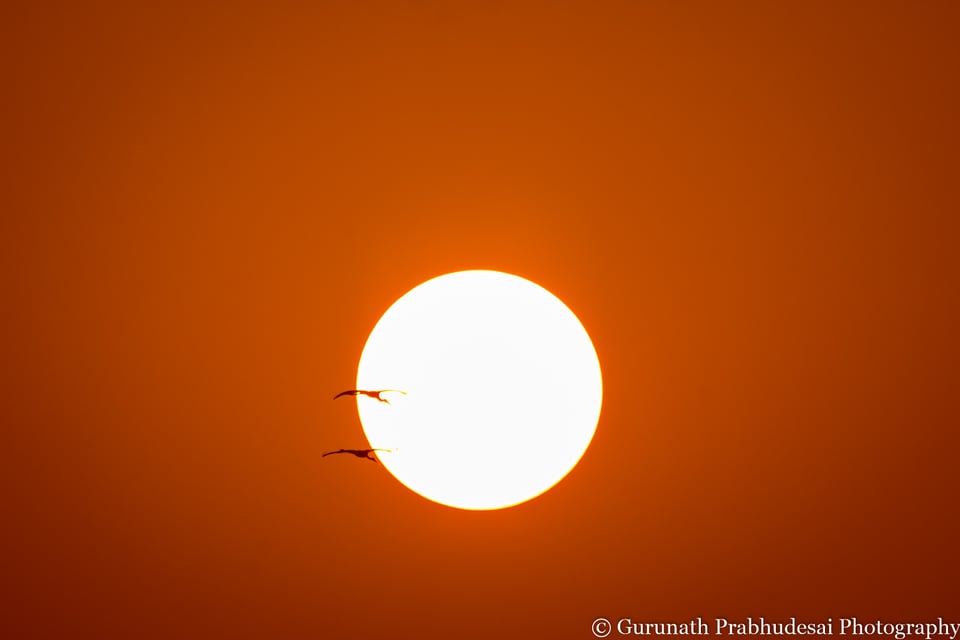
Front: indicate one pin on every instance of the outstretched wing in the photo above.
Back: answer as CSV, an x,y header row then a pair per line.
x,y
351,392
330,453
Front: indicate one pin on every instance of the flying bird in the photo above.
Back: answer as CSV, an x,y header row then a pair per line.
x,y
366,454
372,394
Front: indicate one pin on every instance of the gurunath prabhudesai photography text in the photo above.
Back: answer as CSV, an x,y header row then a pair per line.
x,y
792,627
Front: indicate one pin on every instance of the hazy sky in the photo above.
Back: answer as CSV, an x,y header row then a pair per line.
x,y
752,208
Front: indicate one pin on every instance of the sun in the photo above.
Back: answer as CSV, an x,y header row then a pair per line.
x,y
502,389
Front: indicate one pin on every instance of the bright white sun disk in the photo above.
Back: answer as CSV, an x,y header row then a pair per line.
x,y
503,389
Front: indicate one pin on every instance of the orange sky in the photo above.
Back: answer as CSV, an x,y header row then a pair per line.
x,y
751,207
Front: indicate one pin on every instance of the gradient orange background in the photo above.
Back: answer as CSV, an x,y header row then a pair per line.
x,y
750,206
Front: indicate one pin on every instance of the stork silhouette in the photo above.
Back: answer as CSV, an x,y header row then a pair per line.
x,y
373,394
366,454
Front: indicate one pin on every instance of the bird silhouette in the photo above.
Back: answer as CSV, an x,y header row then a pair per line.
x,y
373,394
366,454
